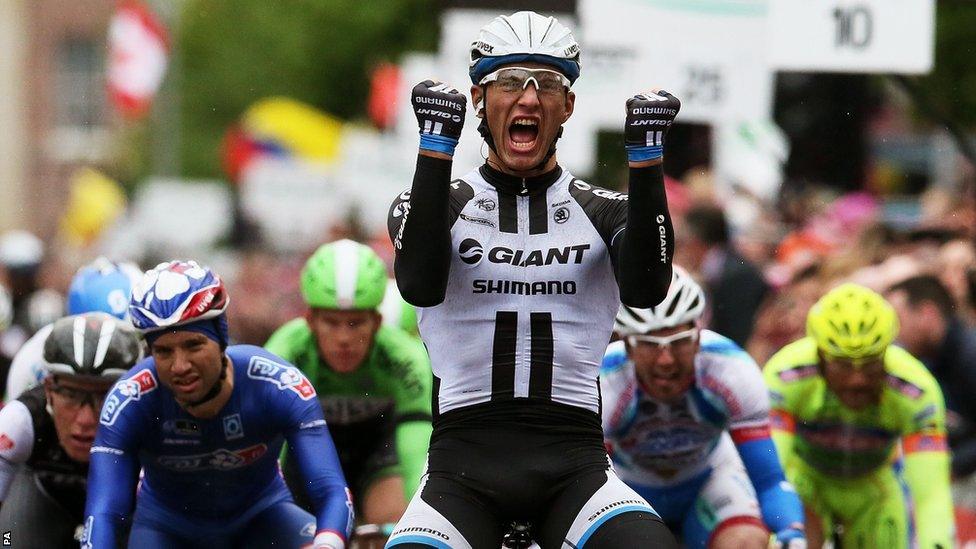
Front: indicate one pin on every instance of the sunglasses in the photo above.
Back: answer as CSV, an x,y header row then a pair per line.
x,y
679,342
516,79
74,399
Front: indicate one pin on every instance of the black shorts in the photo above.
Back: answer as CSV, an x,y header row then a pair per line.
x,y
540,463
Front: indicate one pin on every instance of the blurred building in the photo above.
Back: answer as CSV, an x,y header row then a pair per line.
x,y
54,114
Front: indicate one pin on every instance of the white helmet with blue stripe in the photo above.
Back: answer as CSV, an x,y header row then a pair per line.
x,y
520,37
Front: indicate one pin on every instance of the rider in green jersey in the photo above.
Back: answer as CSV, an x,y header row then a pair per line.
x,y
860,427
374,381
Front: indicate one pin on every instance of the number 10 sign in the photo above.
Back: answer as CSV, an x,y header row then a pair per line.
x,y
852,35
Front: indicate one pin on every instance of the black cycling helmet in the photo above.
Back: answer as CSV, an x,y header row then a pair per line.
x,y
92,344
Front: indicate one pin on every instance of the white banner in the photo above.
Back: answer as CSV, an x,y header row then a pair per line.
x,y
852,35
709,53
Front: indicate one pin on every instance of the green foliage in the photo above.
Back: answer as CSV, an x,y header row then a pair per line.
x,y
952,83
234,52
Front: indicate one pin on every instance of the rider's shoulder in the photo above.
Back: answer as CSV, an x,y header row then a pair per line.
x,y
294,331
395,341
714,343
268,371
907,376
243,355
137,388
794,363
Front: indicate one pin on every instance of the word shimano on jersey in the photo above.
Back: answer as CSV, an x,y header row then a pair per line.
x,y
47,433
373,380
103,285
183,295
689,430
440,112
508,39
205,421
859,424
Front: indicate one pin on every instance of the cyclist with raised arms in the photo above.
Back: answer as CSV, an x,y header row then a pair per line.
x,y
373,380
860,428
206,422
46,434
686,417
517,269
102,285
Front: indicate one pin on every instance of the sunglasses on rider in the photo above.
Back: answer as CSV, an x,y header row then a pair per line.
x,y
679,342
515,79
74,399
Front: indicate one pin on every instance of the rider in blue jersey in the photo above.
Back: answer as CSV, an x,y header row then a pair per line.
x,y
206,423
686,421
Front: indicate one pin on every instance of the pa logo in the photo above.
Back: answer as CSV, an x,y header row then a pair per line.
x,y
561,215
470,251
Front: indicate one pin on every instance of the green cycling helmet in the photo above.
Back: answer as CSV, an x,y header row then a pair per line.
x,y
852,322
344,275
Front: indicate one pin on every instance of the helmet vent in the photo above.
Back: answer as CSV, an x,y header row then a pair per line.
x,y
674,305
548,28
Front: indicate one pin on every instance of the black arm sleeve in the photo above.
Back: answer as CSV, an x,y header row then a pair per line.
x,y
645,248
420,228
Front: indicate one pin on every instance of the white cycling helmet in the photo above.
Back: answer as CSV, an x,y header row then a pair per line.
x,y
20,249
684,303
524,36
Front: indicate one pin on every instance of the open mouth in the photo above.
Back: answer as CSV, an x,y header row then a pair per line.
x,y
523,132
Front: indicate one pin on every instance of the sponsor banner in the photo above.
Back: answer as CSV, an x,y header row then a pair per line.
x,y
683,47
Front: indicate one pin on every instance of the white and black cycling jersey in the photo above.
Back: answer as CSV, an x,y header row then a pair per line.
x,y
28,438
532,291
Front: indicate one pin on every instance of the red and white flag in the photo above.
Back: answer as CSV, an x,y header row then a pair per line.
x,y
138,54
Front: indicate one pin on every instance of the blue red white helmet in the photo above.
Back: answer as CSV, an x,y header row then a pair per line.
x,y
104,286
175,293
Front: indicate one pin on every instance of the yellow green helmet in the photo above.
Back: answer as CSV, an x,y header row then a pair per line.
x,y
852,322
344,275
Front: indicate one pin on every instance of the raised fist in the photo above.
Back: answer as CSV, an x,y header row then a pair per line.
x,y
649,116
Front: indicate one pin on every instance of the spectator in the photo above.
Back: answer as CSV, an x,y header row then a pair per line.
x,y
735,286
933,331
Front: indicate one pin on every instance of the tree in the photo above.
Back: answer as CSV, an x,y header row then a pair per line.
x,y
234,52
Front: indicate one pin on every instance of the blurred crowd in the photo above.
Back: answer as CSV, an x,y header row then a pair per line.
x,y
762,275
